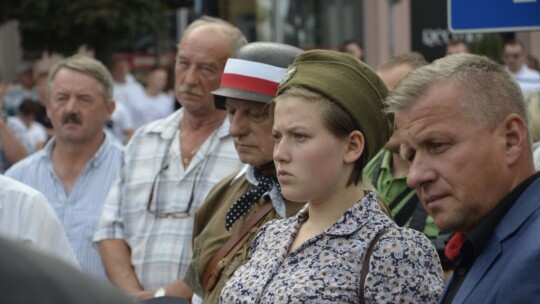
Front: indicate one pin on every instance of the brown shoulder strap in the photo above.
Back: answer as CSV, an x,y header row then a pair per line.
x,y
365,264
211,269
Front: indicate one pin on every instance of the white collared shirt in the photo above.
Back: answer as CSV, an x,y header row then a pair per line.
x,y
528,79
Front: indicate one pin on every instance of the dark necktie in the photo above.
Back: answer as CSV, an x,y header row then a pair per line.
x,y
244,203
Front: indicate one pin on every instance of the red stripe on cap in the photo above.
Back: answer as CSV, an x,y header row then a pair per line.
x,y
247,83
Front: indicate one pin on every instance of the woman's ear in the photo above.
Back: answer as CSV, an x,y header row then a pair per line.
x,y
355,147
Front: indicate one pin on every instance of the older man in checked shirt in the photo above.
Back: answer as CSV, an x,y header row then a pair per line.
x,y
169,166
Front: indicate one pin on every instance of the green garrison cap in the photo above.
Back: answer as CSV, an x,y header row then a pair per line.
x,y
350,83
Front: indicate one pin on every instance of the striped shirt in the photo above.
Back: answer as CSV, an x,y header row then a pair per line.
x,y
390,187
79,211
161,246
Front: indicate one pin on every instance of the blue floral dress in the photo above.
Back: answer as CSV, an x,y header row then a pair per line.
x,y
404,266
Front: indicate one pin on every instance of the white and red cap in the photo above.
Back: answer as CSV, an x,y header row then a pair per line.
x,y
252,76
254,72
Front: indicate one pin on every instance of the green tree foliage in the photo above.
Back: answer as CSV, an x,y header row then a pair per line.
x,y
490,45
62,26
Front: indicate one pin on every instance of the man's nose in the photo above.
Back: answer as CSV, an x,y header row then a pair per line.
x,y
192,76
238,125
420,172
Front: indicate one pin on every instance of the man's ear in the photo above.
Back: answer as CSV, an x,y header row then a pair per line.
x,y
355,147
514,130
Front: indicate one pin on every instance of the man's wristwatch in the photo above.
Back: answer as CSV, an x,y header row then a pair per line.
x,y
160,293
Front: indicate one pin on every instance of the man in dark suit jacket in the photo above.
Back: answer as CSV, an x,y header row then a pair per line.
x,y
462,124
27,276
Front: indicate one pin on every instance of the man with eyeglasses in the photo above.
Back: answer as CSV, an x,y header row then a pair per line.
x,y
78,165
515,59
170,165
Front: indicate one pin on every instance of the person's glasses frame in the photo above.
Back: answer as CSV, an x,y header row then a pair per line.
x,y
177,214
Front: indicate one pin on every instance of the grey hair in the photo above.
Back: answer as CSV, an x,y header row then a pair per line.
x,y
489,92
237,39
88,66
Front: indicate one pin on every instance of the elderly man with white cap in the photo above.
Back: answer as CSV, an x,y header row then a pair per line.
x,y
245,200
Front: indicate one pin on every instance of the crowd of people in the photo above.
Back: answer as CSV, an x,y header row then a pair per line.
x,y
286,176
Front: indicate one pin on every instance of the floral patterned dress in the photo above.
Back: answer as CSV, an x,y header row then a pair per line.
x,y
404,266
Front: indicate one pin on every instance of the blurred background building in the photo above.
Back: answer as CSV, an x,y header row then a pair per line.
x,y
384,27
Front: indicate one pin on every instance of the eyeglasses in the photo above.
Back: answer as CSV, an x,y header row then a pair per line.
x,y
512,55
176,214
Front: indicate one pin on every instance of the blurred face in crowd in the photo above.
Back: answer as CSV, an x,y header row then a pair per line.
x,y
453,159
76,107
200,61
251,129
393,75
309,159
354,49
513,57
456,48
120,70
26,79
157,80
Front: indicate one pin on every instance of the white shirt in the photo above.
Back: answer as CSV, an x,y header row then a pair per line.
x,y
146,108
27,217
121,122
121,91
528,79
36,132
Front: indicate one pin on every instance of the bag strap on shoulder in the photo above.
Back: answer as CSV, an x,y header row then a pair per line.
x,y
365,264
212,273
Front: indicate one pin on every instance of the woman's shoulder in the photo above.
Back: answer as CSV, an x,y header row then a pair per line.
x,y
409,238
393,238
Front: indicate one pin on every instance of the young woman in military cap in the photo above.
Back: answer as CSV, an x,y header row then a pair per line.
x,y
329,122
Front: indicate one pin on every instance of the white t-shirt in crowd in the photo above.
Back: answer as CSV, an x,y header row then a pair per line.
x,y
528,79
36,133
121,122
145,108
27,217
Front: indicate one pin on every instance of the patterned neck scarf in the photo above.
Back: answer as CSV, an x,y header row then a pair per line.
x,y
250,197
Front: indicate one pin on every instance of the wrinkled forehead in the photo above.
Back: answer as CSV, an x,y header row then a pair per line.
x,y
208,39
440,101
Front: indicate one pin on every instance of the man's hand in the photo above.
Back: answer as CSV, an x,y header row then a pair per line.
x,y
143,295
116,257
